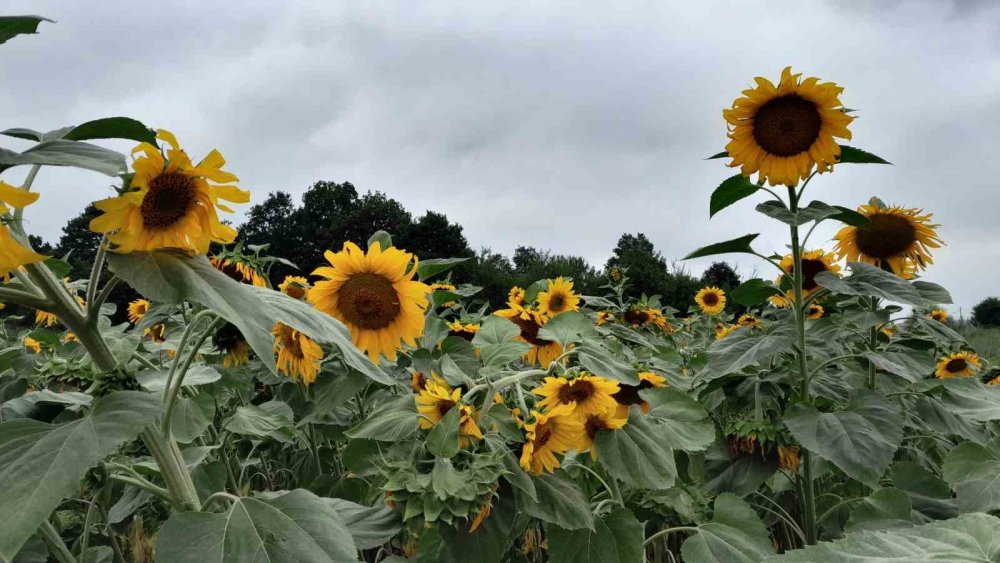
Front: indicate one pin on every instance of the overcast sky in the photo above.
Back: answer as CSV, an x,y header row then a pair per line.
x,y
557,125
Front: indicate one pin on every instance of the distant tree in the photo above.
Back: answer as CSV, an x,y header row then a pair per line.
x,y
40,246
78,244
987,312
433,236
648,272
721,275
494,273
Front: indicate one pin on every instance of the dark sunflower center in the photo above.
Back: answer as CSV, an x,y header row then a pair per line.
x,y
578,391
710,299
787,126
636,316
885,236
289,343
529,331
230,269
542,435
295,290
369,301
629,394
444,405
170,197
809,270
557,302
593,424
956,365
228,338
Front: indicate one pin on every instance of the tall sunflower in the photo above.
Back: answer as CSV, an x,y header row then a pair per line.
x,y
542,352
171,202
12,253
374,294
298,355
783,132
555,432
137,310
558,298
711,300
628,395
436,399
959,364
900,238
294,286
585,394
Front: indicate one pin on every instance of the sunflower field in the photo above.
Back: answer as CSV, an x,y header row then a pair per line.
x,y
373,410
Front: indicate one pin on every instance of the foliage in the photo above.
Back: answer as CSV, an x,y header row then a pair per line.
x,y
987,312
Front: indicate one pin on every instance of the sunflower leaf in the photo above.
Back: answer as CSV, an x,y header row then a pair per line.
x,y
723,154
884,509
559,502
753,292
429,268
735,533
858,156
12,26
442,440
60,152
112,128
866,280
599,361
639,453
730,191
389,422
383,238
567,327
616,538
850,217
736,245
973,471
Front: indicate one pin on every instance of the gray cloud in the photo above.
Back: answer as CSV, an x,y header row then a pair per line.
x,y
559,125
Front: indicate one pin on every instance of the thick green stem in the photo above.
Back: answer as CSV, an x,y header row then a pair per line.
x,y
176,377
95,272
808,488
55,542
173,470
872,345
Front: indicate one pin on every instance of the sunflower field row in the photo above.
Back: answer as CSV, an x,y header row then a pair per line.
x,y
375,410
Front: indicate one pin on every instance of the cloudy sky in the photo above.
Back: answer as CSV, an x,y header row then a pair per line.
x,y
557,125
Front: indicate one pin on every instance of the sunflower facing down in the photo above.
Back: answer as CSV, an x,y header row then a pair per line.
x,y
711,300
783,132
900,238
723,330
298,355
555,432
584,394
558,298
959,364
12,253
374,294
235,349
239,270
137,310
751,320
593,423
294,286
628,395
542,352
171,203
467,331
435,400
939,315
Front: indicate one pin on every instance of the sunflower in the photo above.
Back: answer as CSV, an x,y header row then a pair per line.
x,y
548,434
900,238
157,333
298,355
788,458
12,253
137,310
959,364
813,262
71,337
889,330
374,295
712,300
435,400
939,315
294,286
782,132
585,394
467,331
418,381
239,270
515,297
636,316
33,345
558,298
441,286
229,340
615,274
45,318
604,317
815,311
628,395
612,419
751,320
723,330
994,381
171,202
542,352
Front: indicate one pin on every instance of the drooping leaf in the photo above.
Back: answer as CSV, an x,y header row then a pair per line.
x,y
858,156
60,152
928,493
850,217
688,426
383,238
616,538
815,211
294,527
40,464
600,361
559,502
199,374
12,26
973,471
730,191
369,526
735,535
273,419
736,245
567,327
640,453
866,280
191,417
737,351
753,292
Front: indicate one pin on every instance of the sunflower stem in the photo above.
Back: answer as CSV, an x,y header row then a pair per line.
x,y
808,488
176,378
56,543
872,345
95,274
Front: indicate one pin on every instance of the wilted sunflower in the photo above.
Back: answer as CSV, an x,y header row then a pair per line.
x,y
659,319
137,310
294,286
615,274
229,340
711,300
788,458
899,238
298,355
939,315
12,253
815,311
585,394
45,318
548,434
515,297
604,317
157,333
542,351
723,330
959,364
813,262
239,269
558,298
636,316
374,294
595,422
782,132
467,331
32,344
171,203
481,515
436,399
628,395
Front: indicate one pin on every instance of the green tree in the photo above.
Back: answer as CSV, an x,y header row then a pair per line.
x,y
721,275
649,274
987,312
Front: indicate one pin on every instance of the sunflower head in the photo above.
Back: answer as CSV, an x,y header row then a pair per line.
x,y
556,431
45,318
783,132
235,349
604,317
299,356
375,295
466,331
171,202
515,297
788,458
723,330
815,311
959,364
437,399
939,315
584,394
711,300
751,320
239,268
628,395
897,238
32,344
813,262
156,333
12,253
137,310
558,298
615,274
294,286
595,422
542,351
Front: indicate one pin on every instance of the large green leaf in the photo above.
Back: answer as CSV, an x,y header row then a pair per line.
x,y
928,493
737,351
884,509
112,128
60,152
442,440
969,538
389,422
567,327
431,267
866,280
295,527
730,191
599,360
640,453
12,26
970,399
688,426
858,156
973,471
735,535
495,340
273,419
616,538
736,245
860,439
753,292
557,501
912,365
815,211
40,464
489,542
191,417
369,526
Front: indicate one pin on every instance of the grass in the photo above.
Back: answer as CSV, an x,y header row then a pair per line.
x,y
985,341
